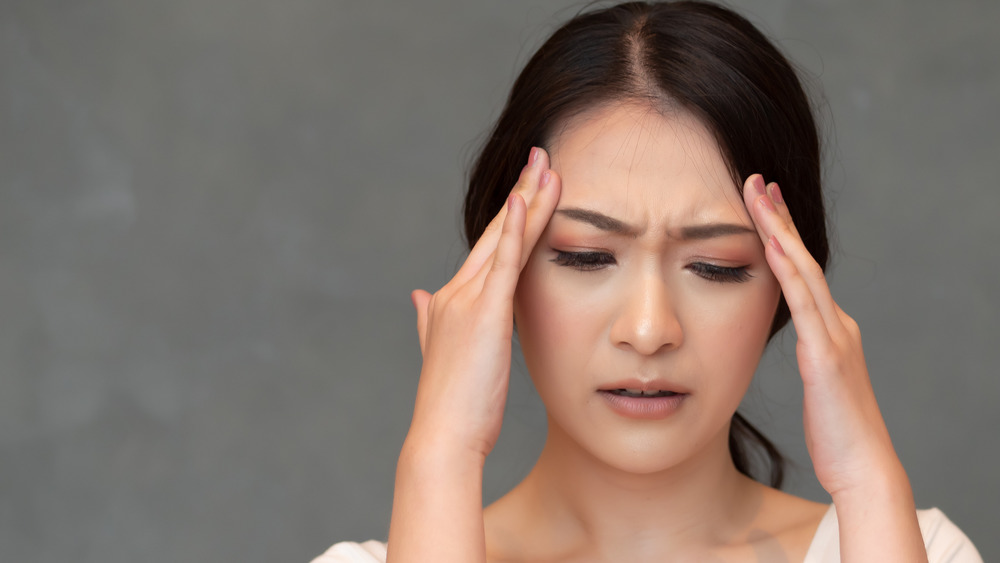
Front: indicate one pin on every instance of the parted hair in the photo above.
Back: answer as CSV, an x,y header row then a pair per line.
x,y
694,57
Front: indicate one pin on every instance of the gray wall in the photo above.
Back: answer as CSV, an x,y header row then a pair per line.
x,y
212,212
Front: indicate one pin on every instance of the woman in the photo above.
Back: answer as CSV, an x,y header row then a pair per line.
x,y
668,221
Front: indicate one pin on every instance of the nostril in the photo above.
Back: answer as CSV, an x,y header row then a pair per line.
x,y
648,336
647,322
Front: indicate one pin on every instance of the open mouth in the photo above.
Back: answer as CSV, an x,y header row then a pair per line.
x,y
639,403
639,393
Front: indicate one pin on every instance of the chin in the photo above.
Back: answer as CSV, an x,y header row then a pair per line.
x,y
644,459
645,450
639,464
639,452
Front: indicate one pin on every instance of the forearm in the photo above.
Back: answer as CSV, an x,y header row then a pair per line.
x,y
437,512
878,521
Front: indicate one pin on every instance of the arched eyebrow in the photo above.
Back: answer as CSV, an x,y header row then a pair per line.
x,y
619,227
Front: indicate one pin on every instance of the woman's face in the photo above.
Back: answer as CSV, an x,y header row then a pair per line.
x,y
650,277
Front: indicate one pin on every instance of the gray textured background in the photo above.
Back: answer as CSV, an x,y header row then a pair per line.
x,y
212,212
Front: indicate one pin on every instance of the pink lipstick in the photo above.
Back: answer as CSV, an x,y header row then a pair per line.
x,y
650,400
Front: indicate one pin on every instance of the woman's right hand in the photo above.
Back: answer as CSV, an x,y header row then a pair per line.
x,y
466,327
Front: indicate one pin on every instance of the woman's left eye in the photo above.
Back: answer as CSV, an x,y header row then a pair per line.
x,y
720,274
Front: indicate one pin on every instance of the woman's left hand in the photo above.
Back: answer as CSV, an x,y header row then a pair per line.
x,y
847,439
845,433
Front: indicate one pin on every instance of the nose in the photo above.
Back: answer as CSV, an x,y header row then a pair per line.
x,y
647,321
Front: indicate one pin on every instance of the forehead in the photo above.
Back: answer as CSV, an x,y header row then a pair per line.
x,y
648,168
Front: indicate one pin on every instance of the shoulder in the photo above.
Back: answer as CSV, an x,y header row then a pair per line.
x,y
945,542
350,552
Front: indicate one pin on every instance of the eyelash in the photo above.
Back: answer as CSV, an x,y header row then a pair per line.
x,y
721,274
589,261
584,261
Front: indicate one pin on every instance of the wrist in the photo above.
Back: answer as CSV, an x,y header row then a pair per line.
x,y
877,520
888,483
438,502
437,453
443,432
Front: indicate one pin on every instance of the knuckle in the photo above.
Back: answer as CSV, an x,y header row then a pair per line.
x,y
814,271
801,303
500,263
800,300
805,305
851,325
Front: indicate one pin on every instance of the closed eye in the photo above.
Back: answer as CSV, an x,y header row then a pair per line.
x,y
584,261
720,274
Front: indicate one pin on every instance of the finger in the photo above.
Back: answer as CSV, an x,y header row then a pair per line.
x,y
537,218
774,192
421,302
540,212
810,325
526,186
754,188
774,220
500,279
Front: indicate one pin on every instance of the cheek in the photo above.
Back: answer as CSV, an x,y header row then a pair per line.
x,y
747,311
563,320
731,328
560,325
542,313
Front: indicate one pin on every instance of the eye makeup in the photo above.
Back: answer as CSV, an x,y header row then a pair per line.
x,y
591,260
584,261
720,274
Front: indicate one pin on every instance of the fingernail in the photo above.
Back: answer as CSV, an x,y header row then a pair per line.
x,y
533,156
776,245
766,202
510,201
545,179
758,184
776,194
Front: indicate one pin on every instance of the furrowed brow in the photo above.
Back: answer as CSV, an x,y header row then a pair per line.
x,y
713,230
599,220
616,226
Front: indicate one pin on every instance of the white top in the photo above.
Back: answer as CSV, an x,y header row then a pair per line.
x,y
945,543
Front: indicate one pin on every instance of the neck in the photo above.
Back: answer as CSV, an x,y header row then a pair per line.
x,y
701,503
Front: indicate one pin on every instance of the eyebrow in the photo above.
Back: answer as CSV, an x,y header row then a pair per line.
x,y
691,232
713,230
599,220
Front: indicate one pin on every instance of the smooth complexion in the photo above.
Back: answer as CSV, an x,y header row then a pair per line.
x,y
650,271
625,257
649,274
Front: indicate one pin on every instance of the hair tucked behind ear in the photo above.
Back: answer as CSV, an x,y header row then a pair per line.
x,y
690,56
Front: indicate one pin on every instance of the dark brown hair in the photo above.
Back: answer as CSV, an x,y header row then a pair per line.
x,y
696,57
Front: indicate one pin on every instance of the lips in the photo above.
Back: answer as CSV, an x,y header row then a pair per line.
x,y
635,387
639,393
634,398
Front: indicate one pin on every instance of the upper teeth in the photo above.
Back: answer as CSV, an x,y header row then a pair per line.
x,y
641,392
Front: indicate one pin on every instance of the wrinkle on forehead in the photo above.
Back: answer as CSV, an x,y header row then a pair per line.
x,y
689,142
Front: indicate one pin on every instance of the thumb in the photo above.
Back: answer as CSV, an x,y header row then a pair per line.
x,y
421,301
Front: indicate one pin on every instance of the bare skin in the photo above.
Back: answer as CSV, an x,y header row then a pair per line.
x,y
582,502
642,285
526,525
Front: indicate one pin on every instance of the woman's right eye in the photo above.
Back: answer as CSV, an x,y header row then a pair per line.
x,y
584,261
